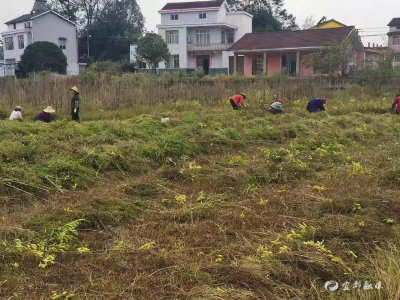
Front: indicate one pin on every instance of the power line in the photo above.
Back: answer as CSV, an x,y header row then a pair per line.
x,y
374,28
373,35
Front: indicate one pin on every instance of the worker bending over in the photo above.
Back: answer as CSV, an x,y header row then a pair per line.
x,y
396,102
16,114
237,101
276,107
316,105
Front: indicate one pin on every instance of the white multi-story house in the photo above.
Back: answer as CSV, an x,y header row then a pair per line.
x,y
39,25
199,33
394,39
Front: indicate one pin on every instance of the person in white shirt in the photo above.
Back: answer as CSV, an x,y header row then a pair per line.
x,y
16,114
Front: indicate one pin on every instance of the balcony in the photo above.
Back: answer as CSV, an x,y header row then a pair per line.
x,y
209,47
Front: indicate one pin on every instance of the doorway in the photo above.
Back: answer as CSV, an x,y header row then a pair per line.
x,y
240,65
289,64
203,63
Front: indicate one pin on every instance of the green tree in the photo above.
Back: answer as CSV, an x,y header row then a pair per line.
x,y
269,15
43,56
67,8
334,59
309,23
120,24
107,27
153,49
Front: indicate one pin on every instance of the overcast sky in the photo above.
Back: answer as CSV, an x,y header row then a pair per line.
x,y
369,15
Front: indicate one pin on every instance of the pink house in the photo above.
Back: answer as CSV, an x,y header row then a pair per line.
x,y
283,51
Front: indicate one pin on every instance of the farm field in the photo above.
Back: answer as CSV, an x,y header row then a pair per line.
x,y
223,205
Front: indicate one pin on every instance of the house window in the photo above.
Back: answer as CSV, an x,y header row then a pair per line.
x,y
9,43
172,36
397,57
396,40
202,37
174,17
21,44
398,27
142,65
231,37
15,26
203,16
223,37
174,62
258,65
62,42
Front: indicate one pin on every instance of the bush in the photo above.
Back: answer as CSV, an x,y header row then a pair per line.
x,y
43,56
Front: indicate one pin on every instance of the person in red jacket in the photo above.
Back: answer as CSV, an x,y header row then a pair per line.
x,y
237,101
396,102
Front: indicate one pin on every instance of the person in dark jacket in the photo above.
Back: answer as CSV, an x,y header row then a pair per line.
x,y
75,104
316,105
45,115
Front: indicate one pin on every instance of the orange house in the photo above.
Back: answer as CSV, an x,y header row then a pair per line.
x,y
282,51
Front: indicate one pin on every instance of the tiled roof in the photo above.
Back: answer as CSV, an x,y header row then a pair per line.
x,y
24,18
291,39
395,22
193,5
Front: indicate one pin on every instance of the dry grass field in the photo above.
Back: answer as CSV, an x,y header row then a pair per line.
x,y
223,205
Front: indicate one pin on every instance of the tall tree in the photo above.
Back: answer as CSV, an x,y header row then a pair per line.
x,y
119,24
107,27
67,8
267,14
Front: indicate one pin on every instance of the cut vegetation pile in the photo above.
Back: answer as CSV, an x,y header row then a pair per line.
x,y
225,205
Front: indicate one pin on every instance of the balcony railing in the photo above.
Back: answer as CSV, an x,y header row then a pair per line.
x,y
209,47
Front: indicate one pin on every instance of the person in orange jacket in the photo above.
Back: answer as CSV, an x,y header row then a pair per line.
x,y
396,102
237,101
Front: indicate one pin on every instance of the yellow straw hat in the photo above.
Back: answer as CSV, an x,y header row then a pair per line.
x,y
75,89
49,110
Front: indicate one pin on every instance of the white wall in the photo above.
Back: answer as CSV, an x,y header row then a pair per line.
x,y
221,18
242,21
50,27
215,34
16,53
19,26
394,28
132,53
188,18
177,49
217,60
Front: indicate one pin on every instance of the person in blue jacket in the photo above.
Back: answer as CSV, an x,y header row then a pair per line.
x,y
316,105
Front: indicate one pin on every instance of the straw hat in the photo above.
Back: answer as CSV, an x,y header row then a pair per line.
x,y
75,89
244,95
49,110
18,107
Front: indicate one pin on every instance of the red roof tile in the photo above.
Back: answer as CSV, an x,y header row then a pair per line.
x,y
193,5
291,39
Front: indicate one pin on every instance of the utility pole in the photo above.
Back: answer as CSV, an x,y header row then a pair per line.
x,y
88,46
